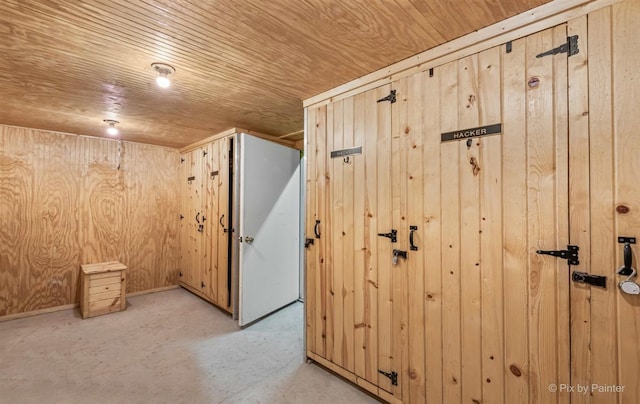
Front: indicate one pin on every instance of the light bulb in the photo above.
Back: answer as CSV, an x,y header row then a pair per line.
x,y
112,130
163,81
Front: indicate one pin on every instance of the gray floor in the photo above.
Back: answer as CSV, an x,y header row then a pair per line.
x,y
168,347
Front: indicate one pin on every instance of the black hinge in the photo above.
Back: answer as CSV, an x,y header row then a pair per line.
x,y
204,153
570,254
202,284
393,376
570,47
181,160
594,280
180,274
391,97
393,235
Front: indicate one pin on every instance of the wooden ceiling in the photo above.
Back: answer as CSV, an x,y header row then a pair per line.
x,y
68,64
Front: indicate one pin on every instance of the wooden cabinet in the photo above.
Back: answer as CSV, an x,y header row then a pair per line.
x,y
103,288
204,221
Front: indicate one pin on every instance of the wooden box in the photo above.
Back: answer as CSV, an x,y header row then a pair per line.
x,y
103,288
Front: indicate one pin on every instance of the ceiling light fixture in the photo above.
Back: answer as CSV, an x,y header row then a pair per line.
x,y
164,70
112,130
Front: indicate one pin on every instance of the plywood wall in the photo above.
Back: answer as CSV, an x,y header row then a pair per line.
x,y
67,200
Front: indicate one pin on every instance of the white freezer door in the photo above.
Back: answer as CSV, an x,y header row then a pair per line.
x,y
269,254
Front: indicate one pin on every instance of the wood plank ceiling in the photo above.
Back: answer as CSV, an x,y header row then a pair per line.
x,y
68,64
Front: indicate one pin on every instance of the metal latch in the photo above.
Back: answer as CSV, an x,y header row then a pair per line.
x,y
570,254
593,280
393,376
393,235
398,253
308,242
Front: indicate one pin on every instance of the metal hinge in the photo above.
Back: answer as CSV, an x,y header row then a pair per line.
x,y
570,254
391,97
570,47
393,376
393,235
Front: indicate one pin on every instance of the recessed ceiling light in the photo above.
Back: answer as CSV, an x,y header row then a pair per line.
x,y
112,130
164,70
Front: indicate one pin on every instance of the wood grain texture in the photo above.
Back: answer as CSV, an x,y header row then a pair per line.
x,y
223,52
625,87
68,200
579,219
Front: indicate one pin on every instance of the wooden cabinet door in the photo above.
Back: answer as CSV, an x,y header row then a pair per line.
x,y
479,316
349,267
216,231
191,238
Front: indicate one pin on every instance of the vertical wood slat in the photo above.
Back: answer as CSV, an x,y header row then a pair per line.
x,y
602,183
432,241
349,251
579,223
626,87
399,274
210,211
321,266
372,250
450,244
383,322
491,220
221,183
361,233
312,215
339,267
415,178
329,245
562,281
514,230
470,266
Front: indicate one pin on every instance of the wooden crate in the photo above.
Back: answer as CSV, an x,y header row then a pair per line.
x,y
104,288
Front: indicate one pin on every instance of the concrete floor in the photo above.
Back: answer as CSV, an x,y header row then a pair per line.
x,y
168,347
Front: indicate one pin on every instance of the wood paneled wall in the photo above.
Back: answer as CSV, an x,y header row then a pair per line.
x,y
476,314
66,200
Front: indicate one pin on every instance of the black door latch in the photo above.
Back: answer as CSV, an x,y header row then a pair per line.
x,y
593,280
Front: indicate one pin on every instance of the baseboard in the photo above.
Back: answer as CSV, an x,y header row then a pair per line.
x,y
38,312
76,305
156,290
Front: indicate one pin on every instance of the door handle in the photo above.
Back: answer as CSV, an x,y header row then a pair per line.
x,y
628,286
316,229
249,239
198,217
412,246
222,224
